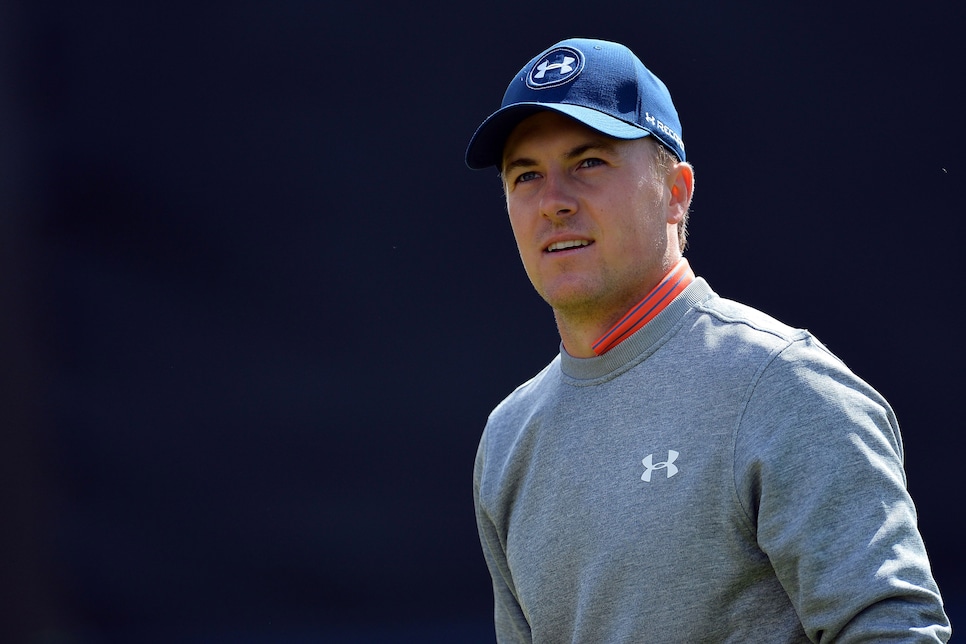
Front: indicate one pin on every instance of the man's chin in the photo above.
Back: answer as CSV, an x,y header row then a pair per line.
x,y
574,303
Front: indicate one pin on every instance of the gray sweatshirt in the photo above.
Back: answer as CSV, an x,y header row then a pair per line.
x,y
717,477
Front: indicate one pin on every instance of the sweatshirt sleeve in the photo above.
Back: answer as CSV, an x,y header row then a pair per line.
x,y
819,472
510,622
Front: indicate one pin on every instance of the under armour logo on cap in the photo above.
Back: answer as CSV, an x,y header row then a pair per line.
x,y
557,67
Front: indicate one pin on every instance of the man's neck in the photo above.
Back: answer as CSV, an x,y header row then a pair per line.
x,y
594,335
577,338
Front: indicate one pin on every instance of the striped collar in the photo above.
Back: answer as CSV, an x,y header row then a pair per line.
x,y
670,287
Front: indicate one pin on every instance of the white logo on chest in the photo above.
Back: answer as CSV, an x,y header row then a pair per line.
x,y
668,465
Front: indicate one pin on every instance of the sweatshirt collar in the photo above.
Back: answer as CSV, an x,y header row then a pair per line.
x,y
676,280
638,346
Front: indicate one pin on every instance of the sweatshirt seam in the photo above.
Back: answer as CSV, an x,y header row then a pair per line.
x,y
755,380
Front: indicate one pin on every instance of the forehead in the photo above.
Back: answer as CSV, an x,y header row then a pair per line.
x,y
543,128
550,133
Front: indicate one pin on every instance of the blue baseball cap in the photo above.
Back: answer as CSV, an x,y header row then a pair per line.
x,y
599,83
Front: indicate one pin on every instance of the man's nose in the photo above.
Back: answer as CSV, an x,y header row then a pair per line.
x,y
558,200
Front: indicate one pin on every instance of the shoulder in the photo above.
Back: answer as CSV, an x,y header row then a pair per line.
x,y
530,394
791,379
753,323
723,336
512,425
802,403
794,368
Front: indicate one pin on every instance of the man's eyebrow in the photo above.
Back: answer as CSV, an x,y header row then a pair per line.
x,y
604,145
518,163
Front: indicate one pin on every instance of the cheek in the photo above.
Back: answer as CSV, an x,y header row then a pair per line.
x,y
516,228
639,229
520,224
523,240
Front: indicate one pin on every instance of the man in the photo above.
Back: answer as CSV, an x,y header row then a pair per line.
x,y
687,468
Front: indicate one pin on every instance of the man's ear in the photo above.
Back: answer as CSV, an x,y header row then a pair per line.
x,y
681,188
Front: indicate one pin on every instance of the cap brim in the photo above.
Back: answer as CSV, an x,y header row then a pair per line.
x,y
486,147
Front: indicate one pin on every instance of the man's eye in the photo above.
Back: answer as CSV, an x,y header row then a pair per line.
x,y
527,176
590,163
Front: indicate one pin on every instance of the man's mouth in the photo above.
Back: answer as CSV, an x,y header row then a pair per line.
x,y
566,245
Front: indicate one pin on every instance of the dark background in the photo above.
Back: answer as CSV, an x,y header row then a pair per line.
x,y
254,309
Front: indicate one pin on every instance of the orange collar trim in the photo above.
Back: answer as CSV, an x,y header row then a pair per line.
x,y
670,287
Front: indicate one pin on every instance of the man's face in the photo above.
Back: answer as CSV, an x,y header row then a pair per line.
x,y
589,215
